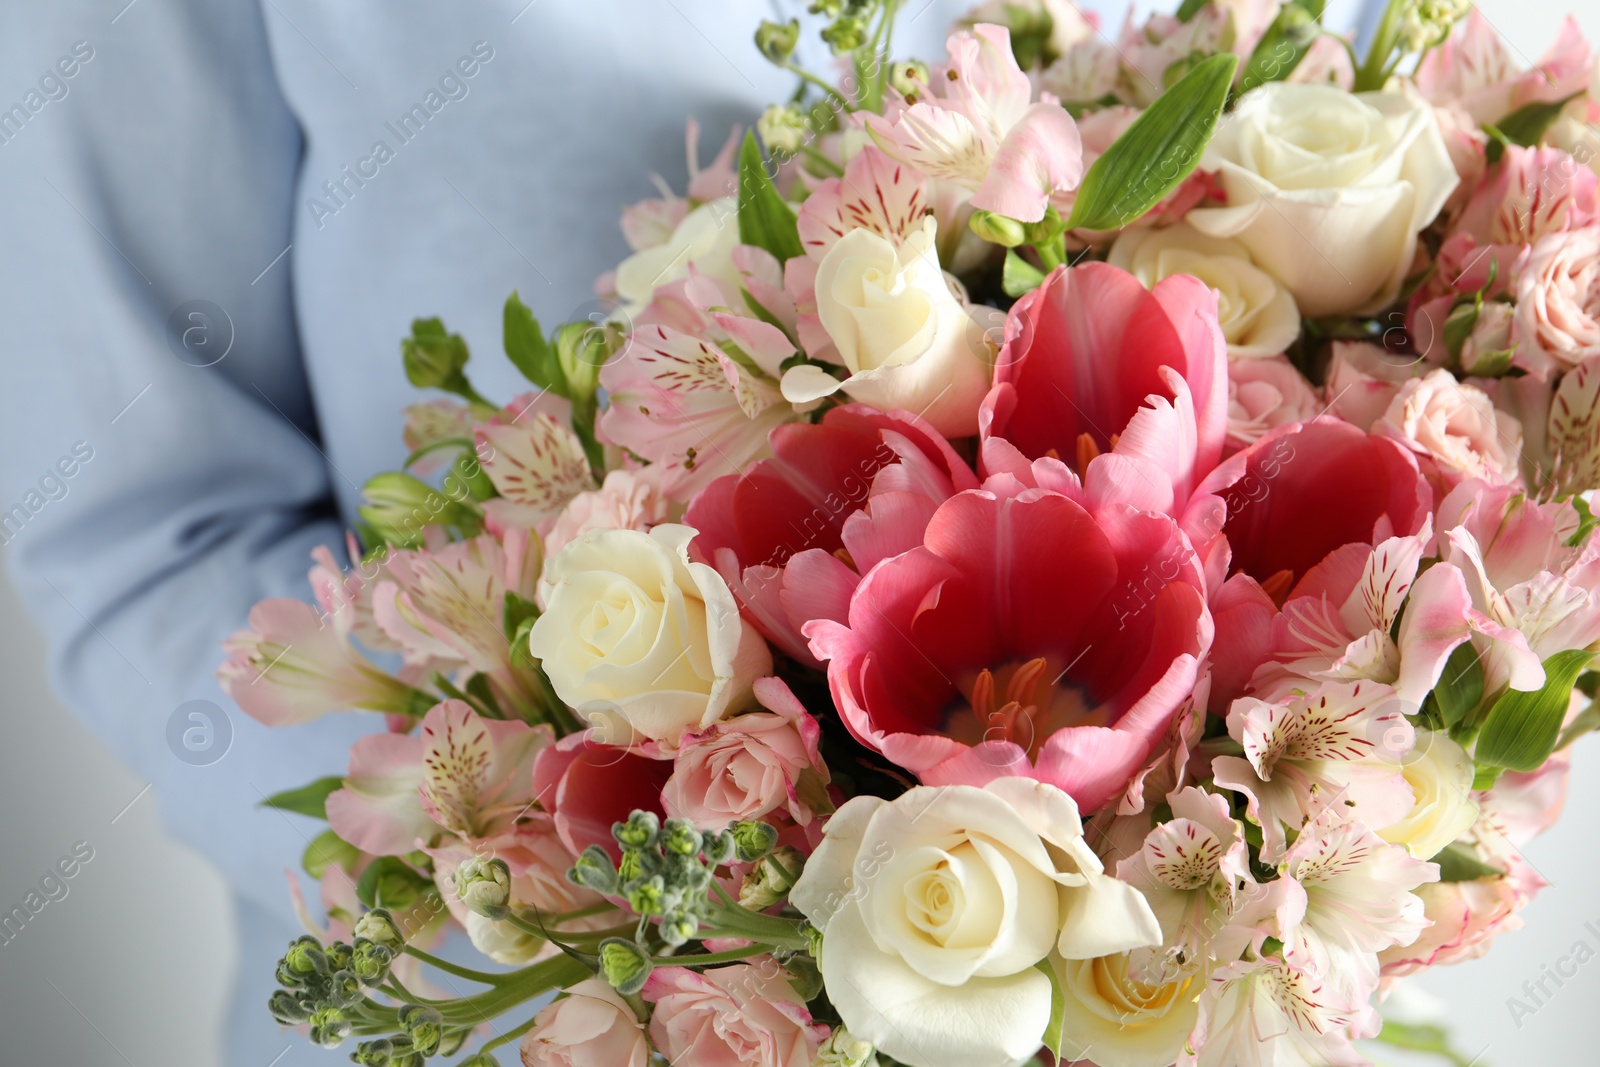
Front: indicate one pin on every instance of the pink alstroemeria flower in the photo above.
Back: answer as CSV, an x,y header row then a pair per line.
x,y
987,650
775,531
982,133
1095,363
1475,70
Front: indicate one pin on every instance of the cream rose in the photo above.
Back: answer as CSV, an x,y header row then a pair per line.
x,y
1558,302
639,640
1121,1021
1328,189
705,239
907,340
1258,316
1456,426
935,908
1439,772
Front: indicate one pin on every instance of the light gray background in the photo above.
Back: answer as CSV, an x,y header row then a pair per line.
x,y
132,966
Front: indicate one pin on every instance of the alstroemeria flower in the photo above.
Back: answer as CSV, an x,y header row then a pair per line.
x,y
1340,744
775,532
1095,362
982,133
291,667
987,650
1475,70
534,459
1190,868
1346,896
1263,1012
695,390
1532,594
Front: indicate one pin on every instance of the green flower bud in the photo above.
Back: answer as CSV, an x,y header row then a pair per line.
x,y
770,880
482,1059
624,965
783,128
452,1041
678,927
582,348
631,868
287,1009
400,506
376,1053
378,926
998,229
484,886
719,848
329,1027
305,956
424,1026
827,8
370,961
777,40
844,1049
847,33
434,358
681,838
640,831
752,840
595,871
344,989
338,953
648,898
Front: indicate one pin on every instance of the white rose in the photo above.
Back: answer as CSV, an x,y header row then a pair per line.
x,y
1457,426
1258,316
1121,1021
1439,772
639,640
1328,189
501,941
935,908
705,239
907,341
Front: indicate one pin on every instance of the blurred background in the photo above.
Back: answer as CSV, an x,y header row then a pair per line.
x,y
132,962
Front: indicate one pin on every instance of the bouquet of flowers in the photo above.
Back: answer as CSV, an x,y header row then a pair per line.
x,y
1074,553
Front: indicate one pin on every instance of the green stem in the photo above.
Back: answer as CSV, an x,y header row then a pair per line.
x,y
1371,74
730,956
806,76
509,1036
828,166
736,921
460,972
558,972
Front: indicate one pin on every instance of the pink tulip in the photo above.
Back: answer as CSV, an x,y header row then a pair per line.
x,y
774,531
587,786
1090,349
988,650
1306,489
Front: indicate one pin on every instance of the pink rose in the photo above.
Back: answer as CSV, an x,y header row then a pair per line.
x,y
1558,302
731,1017
751,765
1456,426
628,500
1264,393
1364,379
591,1026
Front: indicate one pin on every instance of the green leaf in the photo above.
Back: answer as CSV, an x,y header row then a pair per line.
x,y
1019,277
1522,728
528,350
1190,8
1460,687
388,883
1157,152
1458,326
1055,1030
1587,521
517,611
1422,1037
327,849
1526,125
1284,45
1498,143
1458,864
309,799
764,219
